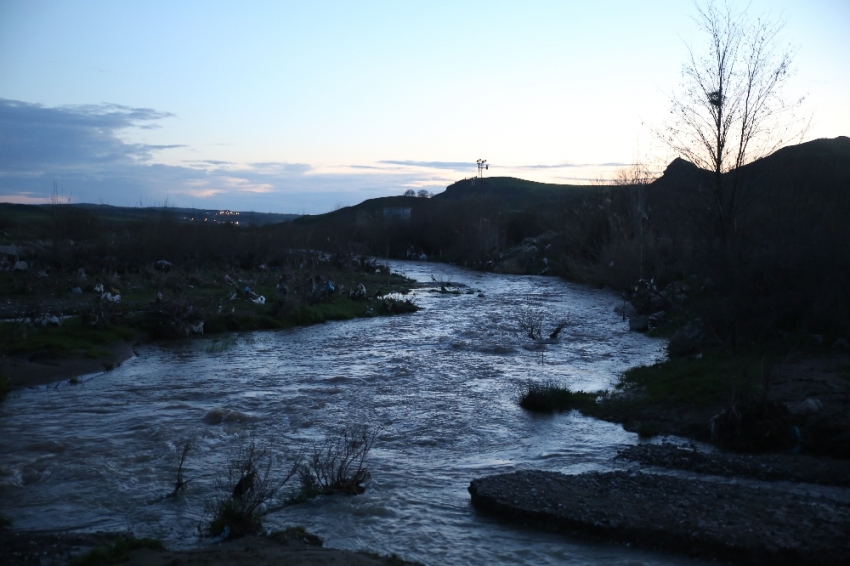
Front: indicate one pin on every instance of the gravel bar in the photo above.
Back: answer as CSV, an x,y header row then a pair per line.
x,y
765,467
730,522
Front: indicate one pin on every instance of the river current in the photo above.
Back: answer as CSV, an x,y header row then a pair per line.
x,y
440,385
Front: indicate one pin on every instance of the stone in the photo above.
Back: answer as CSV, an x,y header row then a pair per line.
x,y
808,407
76,291
840,344
630,310
639,323
685,340
20,266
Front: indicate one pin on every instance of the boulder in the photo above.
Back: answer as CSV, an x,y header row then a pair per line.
x,y
20,266
808,407
630,310
639,323
686,340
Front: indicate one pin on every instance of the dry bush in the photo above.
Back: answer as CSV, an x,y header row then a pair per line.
x,y
338,464
252,486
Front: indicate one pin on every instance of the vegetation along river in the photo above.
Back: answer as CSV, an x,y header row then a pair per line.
x,y
440,384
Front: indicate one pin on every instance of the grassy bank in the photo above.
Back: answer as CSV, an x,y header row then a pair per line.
x,y
52,314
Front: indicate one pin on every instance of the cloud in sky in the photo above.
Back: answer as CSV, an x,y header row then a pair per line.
x,y
84,149
81,148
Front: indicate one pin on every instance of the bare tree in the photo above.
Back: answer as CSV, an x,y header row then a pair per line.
x,y
730,109
636,177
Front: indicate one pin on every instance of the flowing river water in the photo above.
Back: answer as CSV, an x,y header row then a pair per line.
x,y
440,385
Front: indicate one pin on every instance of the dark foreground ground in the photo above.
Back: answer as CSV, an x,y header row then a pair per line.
x,y
58,549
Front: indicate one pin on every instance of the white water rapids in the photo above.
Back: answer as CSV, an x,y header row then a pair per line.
x,y
441,385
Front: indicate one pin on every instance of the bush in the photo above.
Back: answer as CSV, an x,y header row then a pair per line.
x,y
547,397
252,483
338,465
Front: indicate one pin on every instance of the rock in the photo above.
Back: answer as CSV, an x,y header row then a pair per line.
x,y
657,318
163,265
816,339
807,407
686,340
20,266
840,344
49,320
657,301
639,323
76,291
630,310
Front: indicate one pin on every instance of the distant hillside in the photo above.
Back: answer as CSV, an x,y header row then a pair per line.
x,y
119,214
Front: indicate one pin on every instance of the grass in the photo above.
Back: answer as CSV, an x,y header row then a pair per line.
x,y
549,397
116,552
72,337
707,380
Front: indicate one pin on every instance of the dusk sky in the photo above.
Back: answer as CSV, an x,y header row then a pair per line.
x,y
301,107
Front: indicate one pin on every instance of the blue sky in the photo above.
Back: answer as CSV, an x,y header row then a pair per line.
x,y
303,107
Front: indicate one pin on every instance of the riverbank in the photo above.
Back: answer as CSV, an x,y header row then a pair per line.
x,y
750,524
47,336
21,548
680,396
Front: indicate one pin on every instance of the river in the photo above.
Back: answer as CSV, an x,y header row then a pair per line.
x,y
440,385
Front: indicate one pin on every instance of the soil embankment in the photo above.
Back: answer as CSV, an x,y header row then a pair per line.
x,y
741,523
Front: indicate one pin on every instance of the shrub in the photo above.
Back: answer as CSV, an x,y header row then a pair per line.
x,y
252,483
338,465
546,397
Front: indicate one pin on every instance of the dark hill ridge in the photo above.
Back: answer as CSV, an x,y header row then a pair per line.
x,y
820,163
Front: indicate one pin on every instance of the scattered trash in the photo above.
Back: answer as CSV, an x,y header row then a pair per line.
x,y
261,300
98,288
